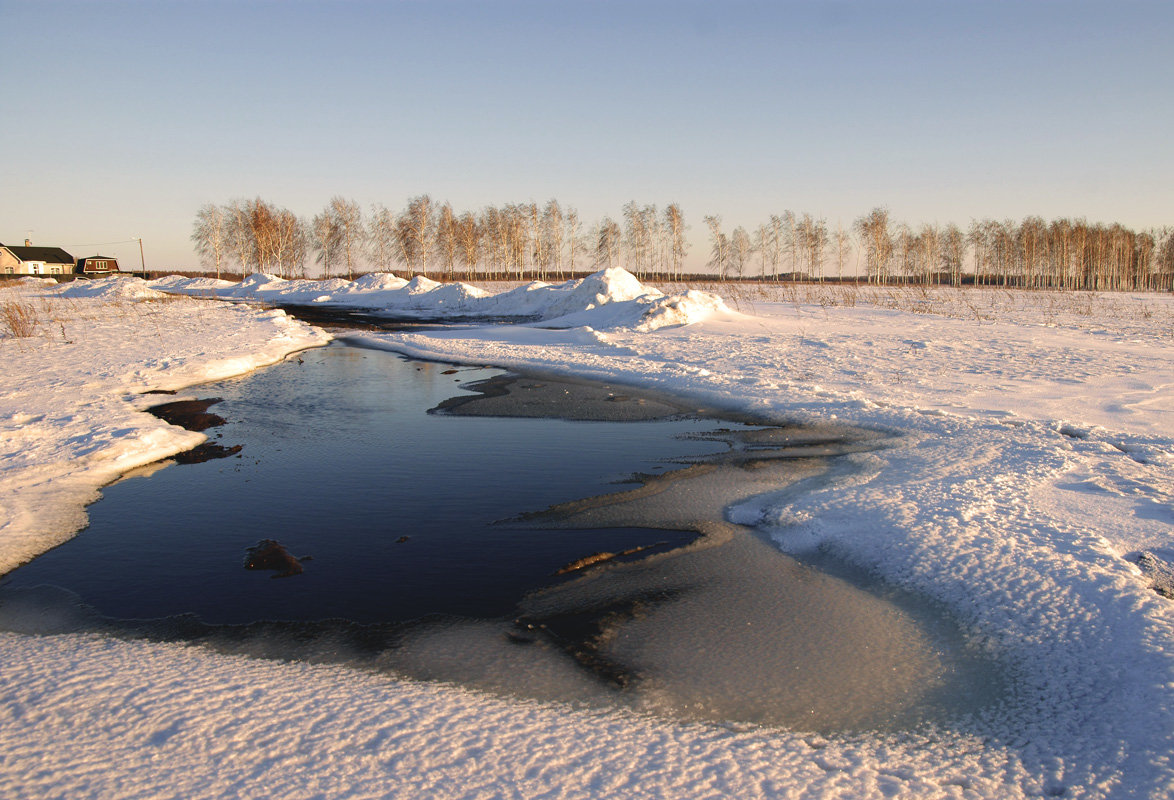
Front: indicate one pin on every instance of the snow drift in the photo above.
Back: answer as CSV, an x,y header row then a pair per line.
x,y
611,298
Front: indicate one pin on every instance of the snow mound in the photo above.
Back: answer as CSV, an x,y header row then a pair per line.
x,y
272,288
260,281
113,288
614,285
421,285
178,284
457,296
329,286
616,299
377,282
682,309
530,300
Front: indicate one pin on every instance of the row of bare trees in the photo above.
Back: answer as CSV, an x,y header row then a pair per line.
x,y
1072,254
251,234
786,244
653,243
1063,254
1032,253
497,242
549,241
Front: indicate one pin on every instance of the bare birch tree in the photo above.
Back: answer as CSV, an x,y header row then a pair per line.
x,y
262,227
930,252
741,250
811,240
792,246
778,239
290,243
381,238
240,235
348,217
953,253
416,233
637,237
551,240
325,236
211,236
492,227
719,246
607,242
842,241
518,237
574,238
674,221
532,219
447,239
877,240
469,239
762,236
1164,261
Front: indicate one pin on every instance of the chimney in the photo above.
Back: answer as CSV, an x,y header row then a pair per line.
x,y
28,242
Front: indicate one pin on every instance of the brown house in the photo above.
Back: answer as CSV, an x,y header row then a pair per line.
x,y
96,265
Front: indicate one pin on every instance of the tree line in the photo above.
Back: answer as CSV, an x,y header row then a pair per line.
x,y
550,241
1061,254
498,242
1031,253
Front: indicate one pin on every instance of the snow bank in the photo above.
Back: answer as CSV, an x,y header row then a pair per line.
x,y
378,282
180,284
274,289
607,299
111,288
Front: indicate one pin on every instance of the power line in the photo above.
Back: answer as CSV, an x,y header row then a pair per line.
x,y
101,244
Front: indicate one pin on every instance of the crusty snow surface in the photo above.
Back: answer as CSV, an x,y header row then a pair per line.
x,y
1035,465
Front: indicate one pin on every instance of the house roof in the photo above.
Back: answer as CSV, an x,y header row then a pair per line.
x,y
50,255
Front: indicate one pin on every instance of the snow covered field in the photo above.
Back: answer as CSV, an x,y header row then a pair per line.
x,y
1036,465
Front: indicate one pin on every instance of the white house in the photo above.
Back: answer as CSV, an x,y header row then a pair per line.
x,y
29,260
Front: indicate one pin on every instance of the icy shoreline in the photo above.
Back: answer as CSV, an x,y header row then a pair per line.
x,y
1039,463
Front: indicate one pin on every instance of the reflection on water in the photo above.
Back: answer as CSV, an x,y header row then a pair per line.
x,y
430,542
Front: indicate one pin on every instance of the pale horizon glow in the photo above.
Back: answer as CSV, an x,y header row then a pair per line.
x,y
126,117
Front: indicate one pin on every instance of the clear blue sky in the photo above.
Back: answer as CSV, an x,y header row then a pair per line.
x,y
121,119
